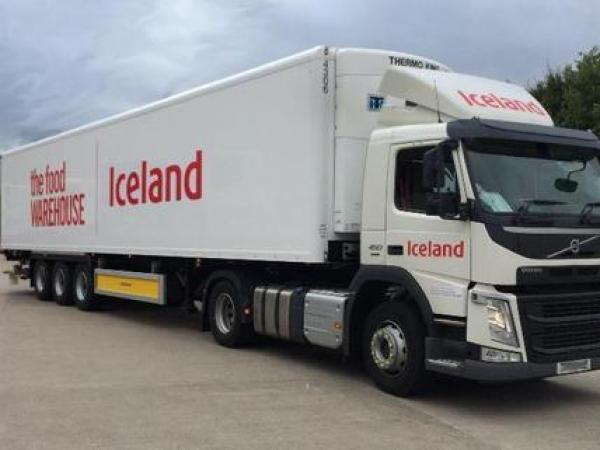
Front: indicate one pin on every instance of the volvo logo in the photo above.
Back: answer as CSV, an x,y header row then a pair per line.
x,y
574,246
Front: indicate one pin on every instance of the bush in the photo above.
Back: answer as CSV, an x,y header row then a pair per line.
x,y
572,95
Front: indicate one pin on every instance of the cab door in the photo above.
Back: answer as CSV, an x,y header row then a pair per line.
x,y
435,251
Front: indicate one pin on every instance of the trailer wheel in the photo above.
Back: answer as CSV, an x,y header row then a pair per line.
x,y
394,348
62,292
41,280
83,289
225,315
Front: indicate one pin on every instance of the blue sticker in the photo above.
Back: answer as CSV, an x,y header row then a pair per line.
x,y
375,102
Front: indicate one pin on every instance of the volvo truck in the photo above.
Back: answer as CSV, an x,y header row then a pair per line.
x,y
371,202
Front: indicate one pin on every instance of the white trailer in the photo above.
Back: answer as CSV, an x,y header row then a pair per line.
x,y
274,157
333,197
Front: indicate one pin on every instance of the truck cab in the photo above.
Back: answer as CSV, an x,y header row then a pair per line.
x,y
489,227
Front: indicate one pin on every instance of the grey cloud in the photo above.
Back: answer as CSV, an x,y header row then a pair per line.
x,y
66,63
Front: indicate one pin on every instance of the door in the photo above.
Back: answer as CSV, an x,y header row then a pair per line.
x,y
435,251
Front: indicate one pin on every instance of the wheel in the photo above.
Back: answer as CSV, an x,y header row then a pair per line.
x,y
62,292
83,289
394,348
225,315
41,280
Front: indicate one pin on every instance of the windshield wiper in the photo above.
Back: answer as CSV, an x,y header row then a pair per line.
x,y
523,210
586,212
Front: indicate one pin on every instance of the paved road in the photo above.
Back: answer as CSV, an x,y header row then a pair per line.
x,y
138,376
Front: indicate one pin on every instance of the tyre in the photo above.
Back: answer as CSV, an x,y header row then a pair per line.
x,y
394,348
225,315
62,291
83,289
41,280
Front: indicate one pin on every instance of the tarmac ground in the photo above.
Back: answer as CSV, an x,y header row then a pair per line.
x,y
139,376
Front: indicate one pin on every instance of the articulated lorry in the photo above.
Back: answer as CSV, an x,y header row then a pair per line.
x,y
371,202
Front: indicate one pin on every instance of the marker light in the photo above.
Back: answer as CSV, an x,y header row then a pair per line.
x,y
499,356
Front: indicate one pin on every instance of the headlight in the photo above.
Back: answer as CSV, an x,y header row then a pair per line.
x,y
500,322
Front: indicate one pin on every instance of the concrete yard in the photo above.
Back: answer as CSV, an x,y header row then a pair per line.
x,y
137,376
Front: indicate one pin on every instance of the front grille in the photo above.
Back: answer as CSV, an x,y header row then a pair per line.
x,y
570,308
560,327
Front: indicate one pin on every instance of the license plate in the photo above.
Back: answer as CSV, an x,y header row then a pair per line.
x,y
579,365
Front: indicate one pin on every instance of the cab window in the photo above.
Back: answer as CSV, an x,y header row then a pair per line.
x,y
409,193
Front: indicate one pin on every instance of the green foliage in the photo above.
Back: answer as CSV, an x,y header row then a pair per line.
x,y
572,95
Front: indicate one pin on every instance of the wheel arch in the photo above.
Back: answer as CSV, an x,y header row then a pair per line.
x,y
371,286
242,281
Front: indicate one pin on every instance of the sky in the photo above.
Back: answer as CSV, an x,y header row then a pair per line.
x,y
64,63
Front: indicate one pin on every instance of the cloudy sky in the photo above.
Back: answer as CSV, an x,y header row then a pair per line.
x,y
67,62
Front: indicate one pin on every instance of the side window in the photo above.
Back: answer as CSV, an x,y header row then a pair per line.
x,y
409,194
450,181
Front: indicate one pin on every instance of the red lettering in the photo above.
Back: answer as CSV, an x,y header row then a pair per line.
x,y
34,209
133,184
498,101
493,101
120,200
81,209
47,180
474,100
111,194
45,211
63,177
75,209
67,211
521,105
173,172
535,108
436,250
173,182
510,104
144,171
155,188
459,249
490,101
57,209
193,190
465,98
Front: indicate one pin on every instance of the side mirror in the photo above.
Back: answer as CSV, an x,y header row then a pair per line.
x,y
565,185
433,169
443,204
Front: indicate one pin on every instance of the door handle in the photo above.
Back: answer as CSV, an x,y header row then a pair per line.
x,y
395,250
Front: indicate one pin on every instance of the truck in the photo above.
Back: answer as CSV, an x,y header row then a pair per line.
x,y
374,203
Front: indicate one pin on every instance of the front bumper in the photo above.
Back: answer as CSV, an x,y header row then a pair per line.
x,y
458,359
488,371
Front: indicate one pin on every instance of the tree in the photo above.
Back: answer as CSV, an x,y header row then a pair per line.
x,y
572,95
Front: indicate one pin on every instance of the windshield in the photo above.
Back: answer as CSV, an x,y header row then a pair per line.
x,y
525,179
